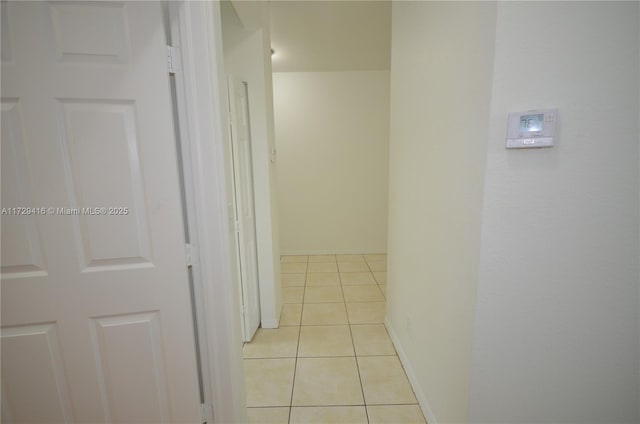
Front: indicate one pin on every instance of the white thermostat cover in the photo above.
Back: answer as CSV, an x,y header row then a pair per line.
x,y
531,129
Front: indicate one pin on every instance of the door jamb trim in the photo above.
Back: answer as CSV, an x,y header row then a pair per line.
x,y
203,87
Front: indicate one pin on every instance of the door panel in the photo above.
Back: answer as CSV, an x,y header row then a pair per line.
x,y
24,257
96,312
42,394
90,33
96,135
148,386
245,211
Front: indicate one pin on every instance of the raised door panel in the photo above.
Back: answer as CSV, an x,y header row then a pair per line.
x,y
33,371
22,254
104,176
92,32
127,374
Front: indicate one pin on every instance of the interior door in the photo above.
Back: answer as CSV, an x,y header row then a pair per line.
x,y
96,318
244,210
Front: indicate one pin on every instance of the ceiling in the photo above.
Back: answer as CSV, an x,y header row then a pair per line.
x,y
310,36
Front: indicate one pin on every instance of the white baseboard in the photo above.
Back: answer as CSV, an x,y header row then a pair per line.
x,y
330,252
270,323
417,389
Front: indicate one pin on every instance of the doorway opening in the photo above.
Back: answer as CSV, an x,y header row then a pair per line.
x,y
331,128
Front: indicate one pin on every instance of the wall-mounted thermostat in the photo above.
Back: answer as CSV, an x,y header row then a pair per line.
x,y
533,128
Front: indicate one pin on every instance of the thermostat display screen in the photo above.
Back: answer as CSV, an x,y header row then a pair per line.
x,y
531,123
531,129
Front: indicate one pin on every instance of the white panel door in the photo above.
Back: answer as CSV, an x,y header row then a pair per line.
x,y
245,211
96,312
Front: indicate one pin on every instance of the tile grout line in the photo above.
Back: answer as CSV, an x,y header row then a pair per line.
x,y
353,345
375,279
295,364
384,294
385,303
392,344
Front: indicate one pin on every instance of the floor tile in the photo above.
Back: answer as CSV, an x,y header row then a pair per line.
x,y
293,267
353,266
293,280
268,382
349,258
394,414
292,294
322,267
277,415
273,343
378,266
371,339
380,276
366,293
356,278
324,314
331,351
323,294
327,381
291,314
323,279
384,381
376,257
293,258
366,312
322,258
331,340
328,414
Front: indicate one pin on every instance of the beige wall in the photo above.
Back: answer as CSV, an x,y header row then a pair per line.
x,y
513,276
332,142
441,63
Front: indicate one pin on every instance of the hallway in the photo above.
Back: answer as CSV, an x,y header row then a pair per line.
x,y
331,360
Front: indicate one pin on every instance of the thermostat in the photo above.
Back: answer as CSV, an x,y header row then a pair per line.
x,y
530,129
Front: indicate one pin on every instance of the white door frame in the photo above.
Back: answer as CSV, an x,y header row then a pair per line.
x,y
203,108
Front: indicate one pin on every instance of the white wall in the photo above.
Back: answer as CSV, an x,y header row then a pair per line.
x,y
441,69
247,58
332,140
556,336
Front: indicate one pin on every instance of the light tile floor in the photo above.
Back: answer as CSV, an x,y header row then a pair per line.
x,y
331,360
